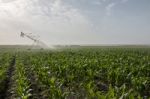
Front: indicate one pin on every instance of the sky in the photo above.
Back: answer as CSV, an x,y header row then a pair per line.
x,y
75,21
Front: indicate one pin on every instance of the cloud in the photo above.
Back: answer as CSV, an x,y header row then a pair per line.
x,y
6,1
97,2
109,8
104,0
124,1
45,17
111,5
52,10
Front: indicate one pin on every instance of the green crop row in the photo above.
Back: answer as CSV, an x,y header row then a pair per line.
x,y
5,60
21,85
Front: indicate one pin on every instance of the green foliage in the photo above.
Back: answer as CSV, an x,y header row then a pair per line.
x,y
21,81
91,73
88,73
5,58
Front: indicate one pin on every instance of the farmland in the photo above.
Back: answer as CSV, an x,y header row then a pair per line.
x,y
75,73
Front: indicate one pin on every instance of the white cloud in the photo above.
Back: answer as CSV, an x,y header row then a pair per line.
x,y
109,8
97,2
44,17
124,1
52,10
104,0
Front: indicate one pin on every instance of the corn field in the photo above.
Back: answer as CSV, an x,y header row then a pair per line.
x,y
82,73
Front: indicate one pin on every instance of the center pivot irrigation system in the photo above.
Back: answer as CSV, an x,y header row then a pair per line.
x,y
37,42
